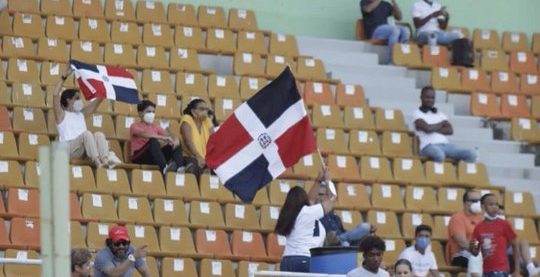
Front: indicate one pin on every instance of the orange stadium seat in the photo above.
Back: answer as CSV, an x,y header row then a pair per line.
x,y
485,104
474,80
486,39
515,41
523,62
435,56
513,105
529,84
213,243
536,43
316,92
25,233
350,95
248,245
504,82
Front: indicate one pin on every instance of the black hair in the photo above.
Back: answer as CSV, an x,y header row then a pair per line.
x,y
466,194
403,261
370,243
422,227
145,104
192,105
485,196
212,116
66,95
296,199
426,88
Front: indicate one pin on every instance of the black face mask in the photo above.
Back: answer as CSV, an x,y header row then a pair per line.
x,y
425,109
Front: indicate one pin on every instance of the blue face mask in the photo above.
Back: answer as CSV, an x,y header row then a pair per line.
x,y
422,242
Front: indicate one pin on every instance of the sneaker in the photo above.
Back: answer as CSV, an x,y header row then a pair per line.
x,y
113,160
170,167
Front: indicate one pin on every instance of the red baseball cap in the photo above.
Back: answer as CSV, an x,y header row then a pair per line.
x,y
118,233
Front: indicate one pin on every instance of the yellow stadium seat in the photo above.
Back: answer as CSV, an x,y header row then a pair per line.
x,y
387,197
125,33
250,85
343,168
375,169
515,41
389,119
473,79
214,268
406,55
99,207
284,45
114,181
86,51
22,70
420,199
28,24
450,199
87,8
472,174
240,19
440,173
150,11
144,235
206,214
523,62
134,210
239,216
92,29
184,59
156,81
211,16
189,37
29,120
55,50
445,78
268,217
181,267
176,241
409,221
276,63
332,141
60,27
486,39
396,144
310,69
220,41
191,84
251,42
519,204
119,10
157,34
359,117
494,60
529,84
504,82
386,223
248,64
181,14
213,243
524,129
152,56
326,116
59,7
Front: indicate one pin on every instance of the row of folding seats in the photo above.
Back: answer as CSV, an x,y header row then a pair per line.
x,y
503,106
410,55
455,79
490,39
146,11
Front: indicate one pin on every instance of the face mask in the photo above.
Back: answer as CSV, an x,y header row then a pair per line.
x,y
149,117
502,216
422,242
489,217
476,208
78,105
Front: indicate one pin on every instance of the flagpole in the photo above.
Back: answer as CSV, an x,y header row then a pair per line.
x,y
321,158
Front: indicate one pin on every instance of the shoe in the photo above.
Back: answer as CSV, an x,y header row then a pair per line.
x,y
170,167
113,160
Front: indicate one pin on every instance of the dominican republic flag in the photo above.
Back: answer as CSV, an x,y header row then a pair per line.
x,y
102,81
262,138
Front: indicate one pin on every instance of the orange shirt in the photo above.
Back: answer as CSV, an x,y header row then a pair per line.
x,y
460,223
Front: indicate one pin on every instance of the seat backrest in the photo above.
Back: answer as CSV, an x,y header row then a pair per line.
x,y
529,84
185,59
310,69
189,37
473,79
278,190
242,19
134,210
157,34
150,11
125,33
409,221
420,198
215,268
250,85
24,233
389,119
212,242
396,144
28,24
211,16
387,197
86,51
10,174
206,214
29,145
363,142
140,235
248,64
409,170
394,247
244,217
5,21
344,168
485,104
87,8
386,223
308,166
22,269
101,123
112,181
326,116
473,173
182,185
98,207
445,78
332,140
519,203
251,42
212,189
220,41
349,219
118,54
190,84
92,29
249,245
515,41
523,62
166,105
76,234
156,81
181,267
176,240
276,63
450,199
119,10
352,196
268,217
375,169
82,179
181,14
406,55
22,70
23,202
20,47
245,268
8,146
23,6
525,229
275,245
169,211
224,86
503,82
55,50
27,95
283,45
494,60
359,117
350,95
440,173
96,234
435,55
59,7
316,92
50,74
152,56
148,183
486,39
60,27
440,227
513,105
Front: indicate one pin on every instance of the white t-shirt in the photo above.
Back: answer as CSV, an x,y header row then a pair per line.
x,y
72,126
429,118
362,272
421,9
421,264
308,232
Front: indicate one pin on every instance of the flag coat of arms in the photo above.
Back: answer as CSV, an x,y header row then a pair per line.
x,y
262,138
101,81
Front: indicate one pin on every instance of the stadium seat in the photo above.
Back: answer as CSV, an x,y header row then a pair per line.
x,y
438,252
184,59
523,62
22,202
189,37
211,16
58,7
134,210
515,41
18,47
181,14
284,45
76,234
310,69
513,105
248,246
157,34
86,51
472,174
166,105
29,120
473,79
191,84
212,189
316,92
22,70
182,186
352,197
27,95
119,10
5,96
213,243
350,95
535,107
486,39
394,247
119,55
494,60
245,268
445,78
220,41
349,219
389,119
96,234
278,189
5,122
275,244
436,56
268,217
440,173
206,214
529,84
28,24
241,217
440,227
420,199
251,42
24,233
364,143
387,197
240,19
248,64
343,168
140,235
396,144
536,43
375,169
23,6
123,123
214,268
113,181
156,81
147,183
10,174
386,223
29,145
409,171
56,50
125,33
152,265
485,105
407,55
503,82
101,123
409,221
99,207
308,166
91,29
150,11
222,86
50,74
450,199
524,129
152,56
331,141
249,86
275,64
525,228
82,179
519,204
170,212
181,267
60,27
5,21
326,116
8,146
359,117
21,269
87,8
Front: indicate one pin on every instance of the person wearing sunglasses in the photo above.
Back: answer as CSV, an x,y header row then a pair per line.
x,y
461,227
120,258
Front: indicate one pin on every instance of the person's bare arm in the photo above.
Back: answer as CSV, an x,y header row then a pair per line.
x,y
397,11
89,109
444,23
118,270
185,131
434,273
517,258
461,240
144,271
371,6
57,106
149,135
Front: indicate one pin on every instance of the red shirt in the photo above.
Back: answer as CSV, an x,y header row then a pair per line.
x,y
494,237
138,142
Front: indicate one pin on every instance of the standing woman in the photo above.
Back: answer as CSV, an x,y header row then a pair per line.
x,y
299,222
70,114
196,128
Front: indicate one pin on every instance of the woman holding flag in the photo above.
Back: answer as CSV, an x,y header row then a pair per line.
x,y
70,113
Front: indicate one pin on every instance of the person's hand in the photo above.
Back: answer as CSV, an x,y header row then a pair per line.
x,y
140,252
201,161
68,70
474,246
373,229
175,142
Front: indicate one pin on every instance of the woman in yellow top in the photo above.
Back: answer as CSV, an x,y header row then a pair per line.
x,y
196,128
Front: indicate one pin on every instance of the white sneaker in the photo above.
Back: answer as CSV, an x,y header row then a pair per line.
x,y
113,160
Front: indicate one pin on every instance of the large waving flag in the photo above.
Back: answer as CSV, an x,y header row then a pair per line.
x,y
262,138
101,81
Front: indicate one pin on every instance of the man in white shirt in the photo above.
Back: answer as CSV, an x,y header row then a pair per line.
x,y
373,249
420,255
432,127
431,20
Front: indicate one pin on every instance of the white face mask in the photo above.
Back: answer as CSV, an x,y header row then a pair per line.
x,y
502,216
78,105
149,117
476,208
489,217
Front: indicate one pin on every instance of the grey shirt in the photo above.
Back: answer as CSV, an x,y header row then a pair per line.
x,y
106,259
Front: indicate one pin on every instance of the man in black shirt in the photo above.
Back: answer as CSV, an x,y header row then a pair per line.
x,y
375,15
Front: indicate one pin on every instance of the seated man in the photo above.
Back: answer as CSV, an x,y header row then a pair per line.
x,y
373,249
375,15
431,20
420,255
432,127
336,234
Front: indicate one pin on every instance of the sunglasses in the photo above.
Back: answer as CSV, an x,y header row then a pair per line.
x,y
121,243
474,200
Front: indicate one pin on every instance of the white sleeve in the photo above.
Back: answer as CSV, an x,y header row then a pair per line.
x,y
443,116
417,114
416,11
433,262
403,255
314,212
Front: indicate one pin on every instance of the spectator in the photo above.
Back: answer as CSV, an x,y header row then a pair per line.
x,y
119,258
491,237
460,229
81,263
419,255
373,249
403,268
375,15
432,127
151,144
70,114
336,234
196,128
296,220
431,20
